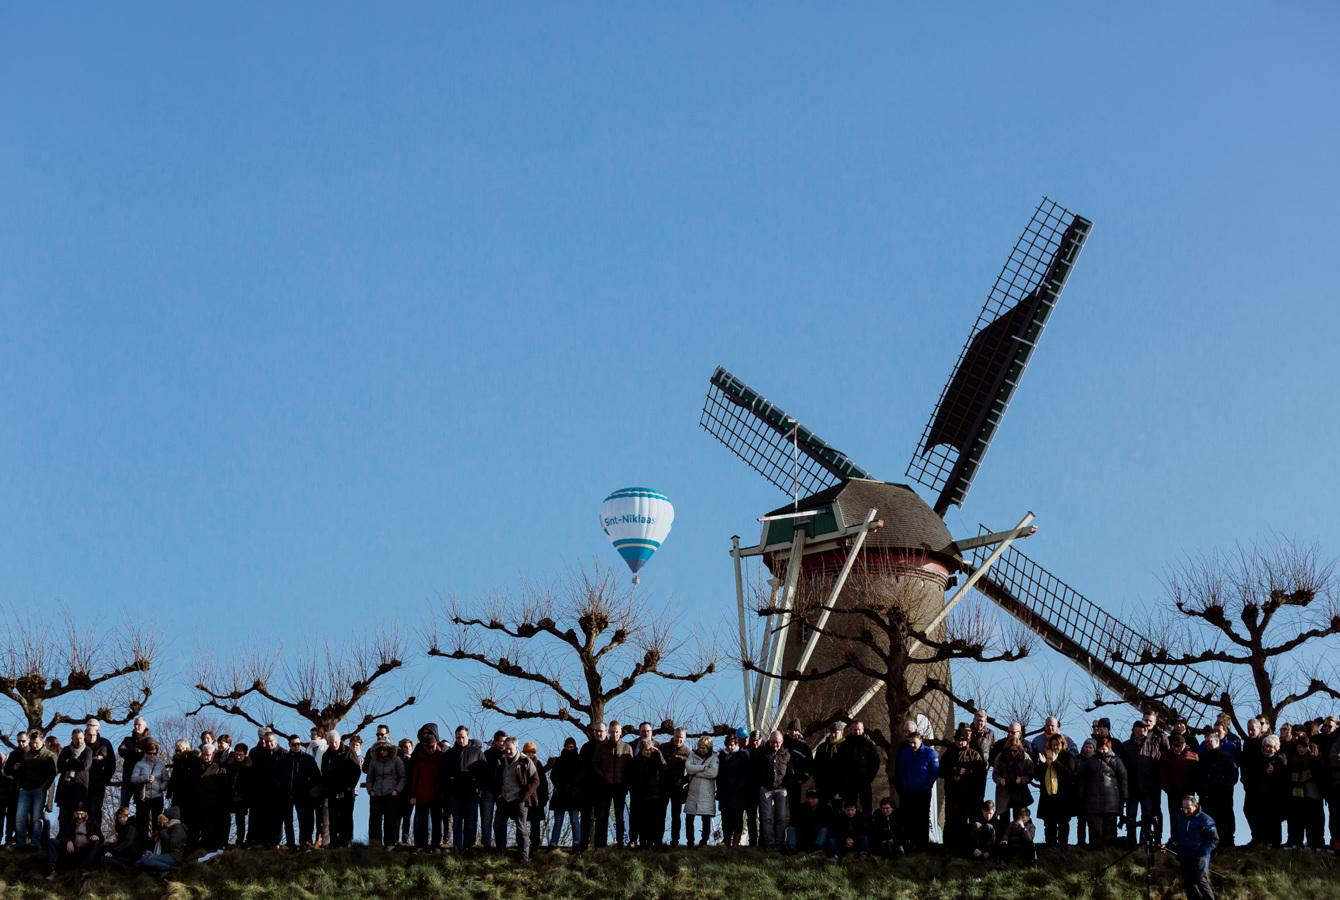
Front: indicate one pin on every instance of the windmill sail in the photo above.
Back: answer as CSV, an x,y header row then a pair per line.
x,y
773,444
1080,629
992,361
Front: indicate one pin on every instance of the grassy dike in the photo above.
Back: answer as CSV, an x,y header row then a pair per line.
x,y
367,872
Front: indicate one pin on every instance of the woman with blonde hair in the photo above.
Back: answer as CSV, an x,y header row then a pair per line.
x,y
701,802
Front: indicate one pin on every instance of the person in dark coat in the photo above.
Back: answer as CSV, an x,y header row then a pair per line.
x,y
675,752
340,772
826,768
1305,814
984,827
565,792
264,829
646,772
887,834
802,758
1019,843
1057,774
810,821
850,834
131,750
1218,775
424,788
101,770
213,800
1179,772
9,792
733,777
296,781
460,770
72,784
1012,773
488,797
128,843
240,790
773,769
405,810
963,769
77,845
859,759
1102,783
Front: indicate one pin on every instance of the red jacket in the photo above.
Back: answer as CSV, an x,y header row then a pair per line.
x,y
423,773
1177,772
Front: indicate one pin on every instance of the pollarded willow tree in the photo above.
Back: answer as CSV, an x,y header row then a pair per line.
x,y
62,671
871,639
567,652
322,686
1259,621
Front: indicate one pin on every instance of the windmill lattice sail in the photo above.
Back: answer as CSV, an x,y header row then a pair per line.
x,y
761,434
1080,629
993,359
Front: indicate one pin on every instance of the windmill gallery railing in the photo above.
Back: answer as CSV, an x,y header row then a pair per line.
x,y
1080,629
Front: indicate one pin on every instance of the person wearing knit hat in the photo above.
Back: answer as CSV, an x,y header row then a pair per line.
x,y
964,772
425,788
802,756
535,812
826,768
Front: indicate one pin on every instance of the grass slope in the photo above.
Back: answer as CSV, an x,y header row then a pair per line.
x,y
714,872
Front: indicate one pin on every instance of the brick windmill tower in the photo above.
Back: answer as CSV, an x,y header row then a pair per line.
x,y
847,536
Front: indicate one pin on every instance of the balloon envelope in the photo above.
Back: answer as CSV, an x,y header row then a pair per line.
x,y
637,520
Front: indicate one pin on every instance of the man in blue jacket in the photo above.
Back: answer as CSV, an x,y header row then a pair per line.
x,y
1194,838
914,774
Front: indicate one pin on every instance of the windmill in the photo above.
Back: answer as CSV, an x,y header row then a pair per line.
x,y
841,516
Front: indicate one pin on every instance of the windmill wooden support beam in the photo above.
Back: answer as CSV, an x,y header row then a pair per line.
x,y
826,610
773,653
744,631
1020,530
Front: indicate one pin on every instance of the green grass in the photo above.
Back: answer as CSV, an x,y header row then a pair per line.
x,y
714,872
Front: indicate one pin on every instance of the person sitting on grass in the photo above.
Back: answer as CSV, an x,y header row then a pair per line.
x,y
1018,842
1194,839
170,848
76,846
850,833
810,822
983,831
126,848
886,834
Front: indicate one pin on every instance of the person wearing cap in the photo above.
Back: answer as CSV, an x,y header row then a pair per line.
x,y
423,788
1179,773
701,768
963,770
488,797
733,765
915,772
810,820
826,767
860,764
1181,727
1194,839
1102,728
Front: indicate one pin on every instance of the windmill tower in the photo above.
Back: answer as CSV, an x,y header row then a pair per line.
x,y
842,518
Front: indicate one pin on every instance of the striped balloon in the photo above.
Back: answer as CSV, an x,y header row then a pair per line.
x,y
637,520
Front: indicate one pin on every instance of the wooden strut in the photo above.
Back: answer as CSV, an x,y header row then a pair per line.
x,y
744,639
876,685
827,610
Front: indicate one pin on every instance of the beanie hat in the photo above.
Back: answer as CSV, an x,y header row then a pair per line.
x,y
742,733
794,725
426,729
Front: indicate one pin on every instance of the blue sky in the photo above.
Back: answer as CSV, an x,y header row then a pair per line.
x,y
310,316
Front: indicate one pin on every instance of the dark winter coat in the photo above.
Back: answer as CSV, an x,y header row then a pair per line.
x,y
131,750
425,774
845,826
1065,801
610,761
460,770
802,758
184,780
860,762
645,773
565,774
826,767
773,769
102,764
1102,785
296,777
214,790
340,771
1178,772
733,780
1014,771
674,781
964,774
73,766
35,771
1217,769
808,821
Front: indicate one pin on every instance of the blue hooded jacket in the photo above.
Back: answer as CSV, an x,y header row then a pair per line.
x,y
917,770
1194,836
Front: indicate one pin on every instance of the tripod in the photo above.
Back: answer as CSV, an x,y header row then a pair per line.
x,y
1152,830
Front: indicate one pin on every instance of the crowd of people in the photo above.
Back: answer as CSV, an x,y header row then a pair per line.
x,y
143,806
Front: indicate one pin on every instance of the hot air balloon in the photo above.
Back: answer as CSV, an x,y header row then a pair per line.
x,y
637,520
